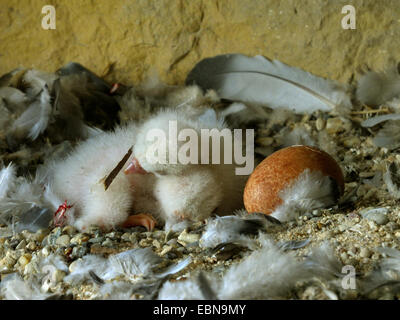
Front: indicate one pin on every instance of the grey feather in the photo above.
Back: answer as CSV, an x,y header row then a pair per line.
x,y
34,219
236,228
379,119
389,136
272,83
376,88
36,118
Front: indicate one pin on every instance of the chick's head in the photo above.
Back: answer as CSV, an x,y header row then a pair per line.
x,y
160,140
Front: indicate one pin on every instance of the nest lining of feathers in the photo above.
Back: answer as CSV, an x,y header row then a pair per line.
x,y
45,116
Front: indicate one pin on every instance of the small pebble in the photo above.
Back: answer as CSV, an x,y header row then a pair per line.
x,y
172,242
378,215
79,239
13,243
40,235
24,259
63,240
317,212
165,250
31,246
72,267
26,234
188,237
126,236
108,243
21,245
96,240
334,125
70,230
111,235
320,124
365,253
8,262
145,242
156,244
375,256
45,251
372,225
78,252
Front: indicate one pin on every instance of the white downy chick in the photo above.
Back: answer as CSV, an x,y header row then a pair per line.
x,y
192,196
187,190
79,179
170,192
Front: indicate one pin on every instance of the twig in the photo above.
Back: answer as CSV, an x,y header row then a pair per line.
x,y
110,178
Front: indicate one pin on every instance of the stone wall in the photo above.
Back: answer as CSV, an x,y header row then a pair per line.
x,y
170,36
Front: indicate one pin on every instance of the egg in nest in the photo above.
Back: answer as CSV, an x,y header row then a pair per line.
x,y
293,181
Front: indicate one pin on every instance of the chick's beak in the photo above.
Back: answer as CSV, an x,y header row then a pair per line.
x,y
134,167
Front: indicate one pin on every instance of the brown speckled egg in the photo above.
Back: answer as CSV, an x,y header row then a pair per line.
x,y
279,170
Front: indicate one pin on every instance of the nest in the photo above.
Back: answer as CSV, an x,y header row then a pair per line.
x,y
43,116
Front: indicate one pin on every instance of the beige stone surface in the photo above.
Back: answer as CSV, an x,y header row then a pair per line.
x,y
170,36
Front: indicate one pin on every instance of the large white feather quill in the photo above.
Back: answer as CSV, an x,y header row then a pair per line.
x,y
272,83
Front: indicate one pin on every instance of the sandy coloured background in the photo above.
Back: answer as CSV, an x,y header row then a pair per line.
x,y
170,36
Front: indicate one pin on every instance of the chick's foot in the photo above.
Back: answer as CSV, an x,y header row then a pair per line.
x,y
141,219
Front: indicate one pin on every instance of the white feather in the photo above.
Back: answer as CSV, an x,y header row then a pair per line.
x,y
259,80
266,273
379,119
389,136
235,228
135,262
37,80
13,287
385,275
7,180
24,196
13,96
322,262
89,262
188,289
392,261
376,88
20,195
391,179
311,190
36,118
54,260
131,264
